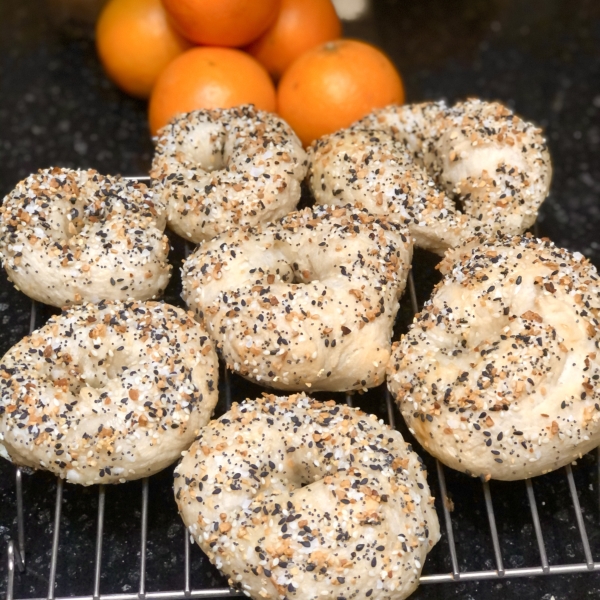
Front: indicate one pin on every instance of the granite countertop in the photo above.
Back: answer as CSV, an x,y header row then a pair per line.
x,y
541,57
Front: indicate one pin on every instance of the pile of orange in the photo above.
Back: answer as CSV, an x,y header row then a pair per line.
x,y
190,54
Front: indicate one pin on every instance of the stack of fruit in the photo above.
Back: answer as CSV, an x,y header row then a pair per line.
x,y
190,54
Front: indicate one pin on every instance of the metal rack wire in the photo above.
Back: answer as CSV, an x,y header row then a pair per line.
x,y
17,551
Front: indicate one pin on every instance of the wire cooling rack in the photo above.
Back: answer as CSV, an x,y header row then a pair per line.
x,y
18,555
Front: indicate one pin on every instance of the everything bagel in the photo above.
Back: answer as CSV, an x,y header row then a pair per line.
x,y
480,155
293,498
68,237
498,375
306,302
106,393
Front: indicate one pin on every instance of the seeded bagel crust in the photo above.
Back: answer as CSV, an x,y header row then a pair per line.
x,y
109,392
293,498
306,302
498,375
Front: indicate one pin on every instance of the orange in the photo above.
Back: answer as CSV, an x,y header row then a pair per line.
x,y
222,22
300,26
135,43
209,77
333,85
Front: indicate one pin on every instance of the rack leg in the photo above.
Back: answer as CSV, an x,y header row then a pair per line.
x,y
186,588
537,526
20,519
579,516
448,520
390,408
99,534
10,585
494,531
227,381
412,293
598,479
144,539
19,477
32,316
55,538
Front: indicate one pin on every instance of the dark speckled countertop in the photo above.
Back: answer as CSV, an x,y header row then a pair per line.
x,y
542,58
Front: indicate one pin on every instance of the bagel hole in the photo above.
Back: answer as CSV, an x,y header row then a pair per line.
x,y
97,381
458,202
303,483
65,219
217,161
76,383
99,375
206,147
115,366
300,477
74,380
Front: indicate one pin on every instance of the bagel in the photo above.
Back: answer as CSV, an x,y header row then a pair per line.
x,y
68,237
293,498
307,302
494,165
498,375
222,168
371,169
106,393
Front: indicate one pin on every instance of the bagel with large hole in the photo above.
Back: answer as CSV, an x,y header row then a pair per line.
x,y
293,498
106,393
308,302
